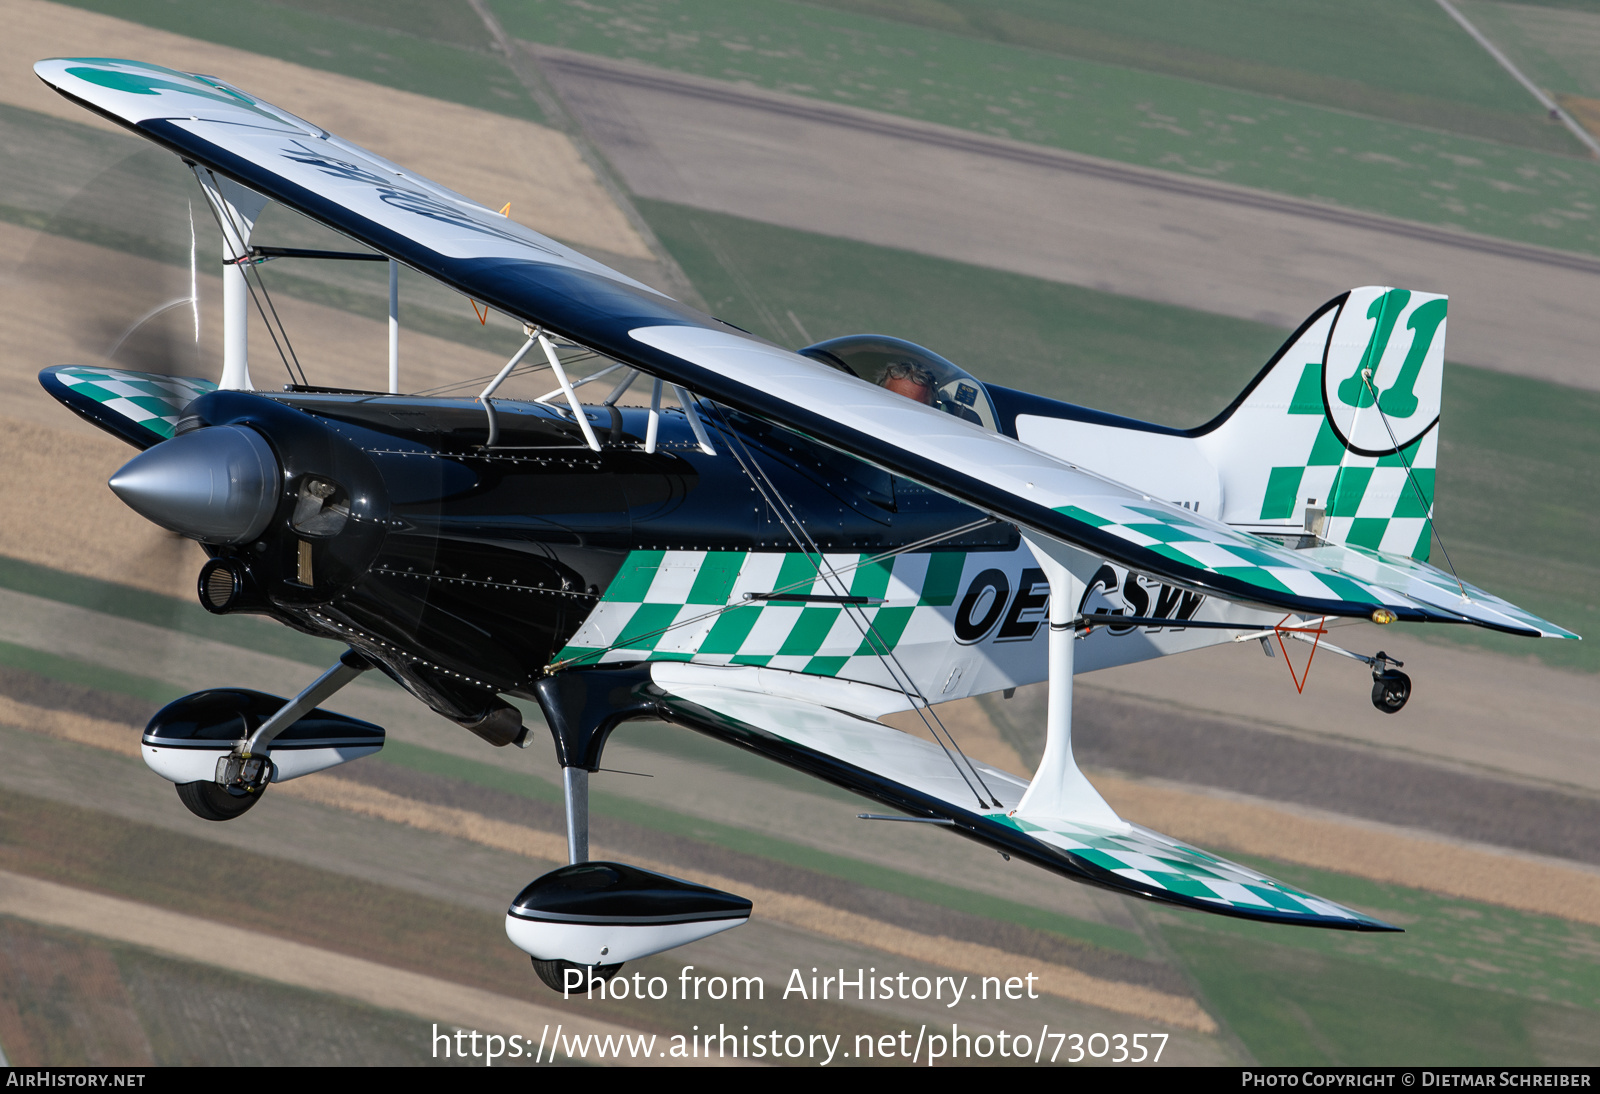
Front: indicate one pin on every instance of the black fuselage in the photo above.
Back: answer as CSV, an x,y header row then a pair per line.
x,y
463,569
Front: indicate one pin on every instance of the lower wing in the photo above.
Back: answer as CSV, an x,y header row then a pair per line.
x,y
828,731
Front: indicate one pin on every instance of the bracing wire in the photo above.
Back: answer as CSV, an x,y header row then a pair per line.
x,y
881,649
1427,510
474,382
243,260
251,268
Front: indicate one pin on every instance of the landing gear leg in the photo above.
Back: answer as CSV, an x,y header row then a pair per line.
x,y
243,774
583,707
1391,688
575,781
557,973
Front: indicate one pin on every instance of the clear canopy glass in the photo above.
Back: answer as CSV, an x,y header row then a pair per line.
x,y
904,367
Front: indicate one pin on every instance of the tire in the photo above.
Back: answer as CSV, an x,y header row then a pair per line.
x,y
1391,690
554,973
208,801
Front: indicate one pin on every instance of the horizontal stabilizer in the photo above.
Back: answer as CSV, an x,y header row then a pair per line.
x,y
1424,583
782,716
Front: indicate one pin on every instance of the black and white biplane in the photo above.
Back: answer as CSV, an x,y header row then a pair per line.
x,y
800,545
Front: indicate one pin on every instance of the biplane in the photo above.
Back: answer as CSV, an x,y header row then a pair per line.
x,y
791,548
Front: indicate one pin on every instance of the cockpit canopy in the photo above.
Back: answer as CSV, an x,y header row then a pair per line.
x,y
869,357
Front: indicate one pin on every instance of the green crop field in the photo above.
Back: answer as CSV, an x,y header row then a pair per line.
x,y
1398,59
1591,6
1119,112
1554,44
1383,107
1467,982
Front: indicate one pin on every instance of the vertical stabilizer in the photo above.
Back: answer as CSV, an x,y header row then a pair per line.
x,y
1308,450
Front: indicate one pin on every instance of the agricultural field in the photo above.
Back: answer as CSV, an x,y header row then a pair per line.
x,y
1485,160
1383,107
1463,968
404,863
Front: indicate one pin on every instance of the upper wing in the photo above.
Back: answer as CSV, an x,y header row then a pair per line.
x,y
309,169
535,279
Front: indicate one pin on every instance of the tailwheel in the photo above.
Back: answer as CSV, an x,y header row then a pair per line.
x,y
554,974
1390,690
211,802
1390,687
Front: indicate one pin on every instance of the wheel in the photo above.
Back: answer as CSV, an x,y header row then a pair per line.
x,y
1390,690
554,973
208,801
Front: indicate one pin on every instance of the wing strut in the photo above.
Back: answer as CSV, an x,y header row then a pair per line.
x,y
607,371
686,401
1059,789
486,396
654,427
236,210
394,327
566,388
622,385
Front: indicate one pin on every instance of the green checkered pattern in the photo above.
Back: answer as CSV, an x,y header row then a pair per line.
x,y
1349,572
1156,863
1422,582
1369,501
153,402
691,606
1219,549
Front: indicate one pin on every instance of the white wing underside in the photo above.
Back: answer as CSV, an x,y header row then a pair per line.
x,y
761,707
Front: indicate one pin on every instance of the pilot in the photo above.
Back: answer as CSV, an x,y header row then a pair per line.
x,y
909,379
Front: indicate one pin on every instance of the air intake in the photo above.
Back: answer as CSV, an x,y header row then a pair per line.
x,y
222,586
